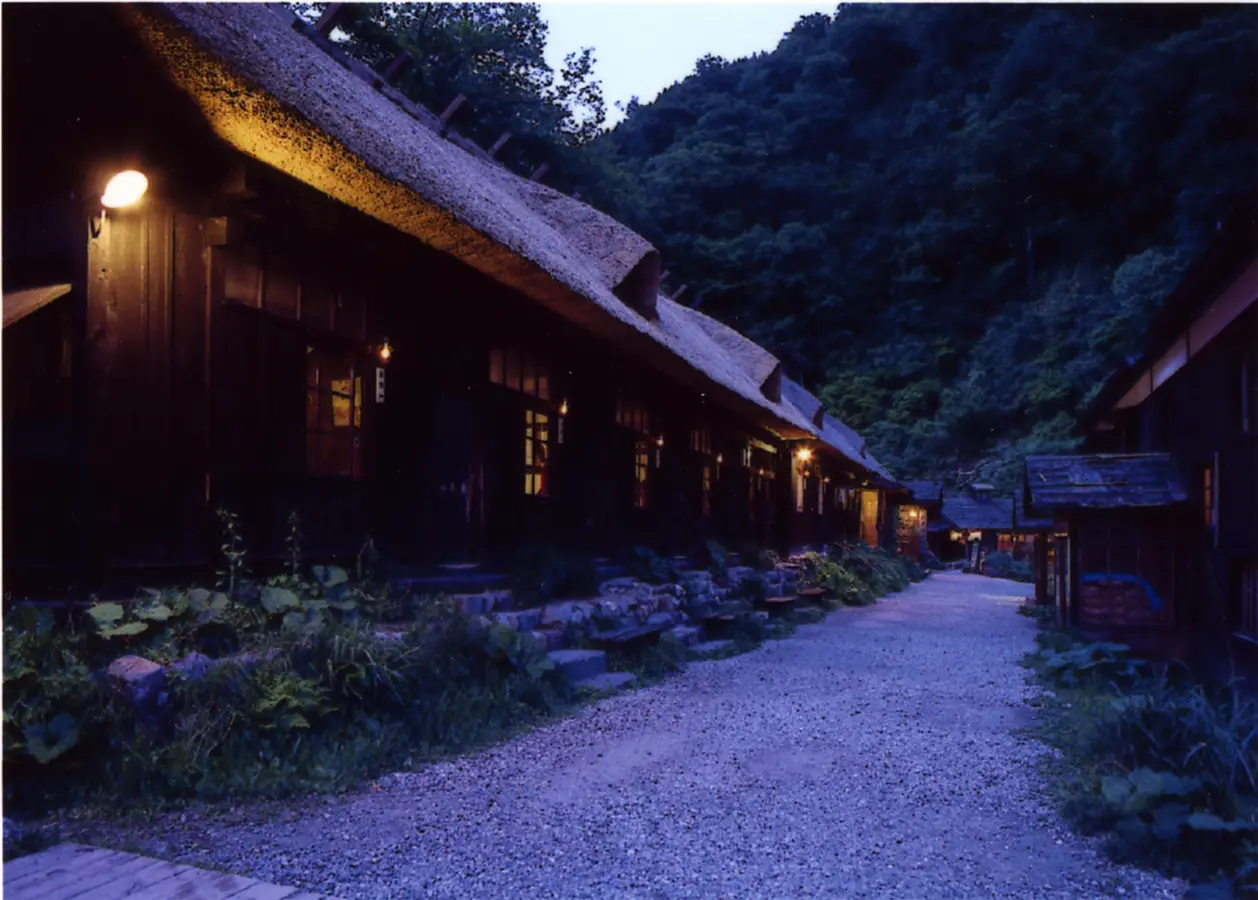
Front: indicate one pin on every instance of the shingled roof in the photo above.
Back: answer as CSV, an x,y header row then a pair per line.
x,y
925,491
981,513
1023,519
1102,481
277,97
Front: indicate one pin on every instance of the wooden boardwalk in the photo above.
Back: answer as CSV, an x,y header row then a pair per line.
x,y
77,872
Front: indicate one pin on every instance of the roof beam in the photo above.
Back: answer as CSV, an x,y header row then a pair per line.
x,y
500,143
332,16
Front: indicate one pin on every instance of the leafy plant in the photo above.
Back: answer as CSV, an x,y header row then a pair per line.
x,y
232,546
646,565
1103,661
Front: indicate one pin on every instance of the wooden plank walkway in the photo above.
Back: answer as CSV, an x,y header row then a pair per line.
x,y
72,871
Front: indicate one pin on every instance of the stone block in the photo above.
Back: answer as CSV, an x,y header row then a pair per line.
x,y
688,634
136,678
192,667
607,682
578,665
528,619
711,648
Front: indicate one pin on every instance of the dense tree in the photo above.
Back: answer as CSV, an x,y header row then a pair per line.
x,y
965,215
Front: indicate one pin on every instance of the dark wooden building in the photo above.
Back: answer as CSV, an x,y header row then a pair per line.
x,y
1183,416
1121,564
323,301
929,525
979,522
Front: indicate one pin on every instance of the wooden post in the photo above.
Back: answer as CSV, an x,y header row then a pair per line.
x,y
331,18
500,143
452,108
397,68
681,290
540,172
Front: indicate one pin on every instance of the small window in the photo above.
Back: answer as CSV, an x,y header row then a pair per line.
x,y
1207,494
334,390
706,497
536,452
701,440
1248,586
633,415
642,472
518,371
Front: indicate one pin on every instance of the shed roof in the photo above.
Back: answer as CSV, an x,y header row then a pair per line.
x,y
988,513
275,96
1102,481
1024,521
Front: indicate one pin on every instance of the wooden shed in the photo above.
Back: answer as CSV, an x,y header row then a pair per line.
x,y
1121,565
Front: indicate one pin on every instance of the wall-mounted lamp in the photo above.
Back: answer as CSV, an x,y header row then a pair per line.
x,y
385,351
122,190
563,408
659,441
719,459
804,454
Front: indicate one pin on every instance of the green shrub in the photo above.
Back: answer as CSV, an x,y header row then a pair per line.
x,y
646,565
1002,565
1102,662
543,574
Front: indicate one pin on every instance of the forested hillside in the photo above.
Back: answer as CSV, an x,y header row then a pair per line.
x,y
961,216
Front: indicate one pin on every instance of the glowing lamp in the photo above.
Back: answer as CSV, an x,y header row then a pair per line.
x,y
563,408
719,459
804,454
124,189
659,441
385,352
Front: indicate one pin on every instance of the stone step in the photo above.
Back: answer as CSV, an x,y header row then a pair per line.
x,y
711,648
688,634
579,665
607,682
808,615
551,638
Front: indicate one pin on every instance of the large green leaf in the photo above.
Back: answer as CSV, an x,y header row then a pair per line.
x,y
130,629
278,599
156,612
47,742
330,576
104,614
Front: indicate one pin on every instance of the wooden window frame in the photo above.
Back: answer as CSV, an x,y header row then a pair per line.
x,y
641,473
316,430
522,371
537,433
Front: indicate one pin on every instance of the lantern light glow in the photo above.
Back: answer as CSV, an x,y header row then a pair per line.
x,y
124,189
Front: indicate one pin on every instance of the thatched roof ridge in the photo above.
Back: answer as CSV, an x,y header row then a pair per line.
x,y
797,396
758,362
275,96
1102,481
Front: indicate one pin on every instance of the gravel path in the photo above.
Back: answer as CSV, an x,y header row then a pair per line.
x,y
868,756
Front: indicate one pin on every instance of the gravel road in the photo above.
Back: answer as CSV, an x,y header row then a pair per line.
x,y
871,755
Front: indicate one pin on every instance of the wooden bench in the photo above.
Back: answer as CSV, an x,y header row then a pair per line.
x,y
629,638
812,593
716,622
778,606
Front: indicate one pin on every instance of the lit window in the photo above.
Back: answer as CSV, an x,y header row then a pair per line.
x,y
334,393
706,497
536,457
520,372
642,470
1004,543
701,440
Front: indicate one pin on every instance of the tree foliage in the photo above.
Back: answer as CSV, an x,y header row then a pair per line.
x,y
962,215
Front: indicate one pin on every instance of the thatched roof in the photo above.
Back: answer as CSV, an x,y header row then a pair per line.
x,y
978,513
1102,481
809,406
275,96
